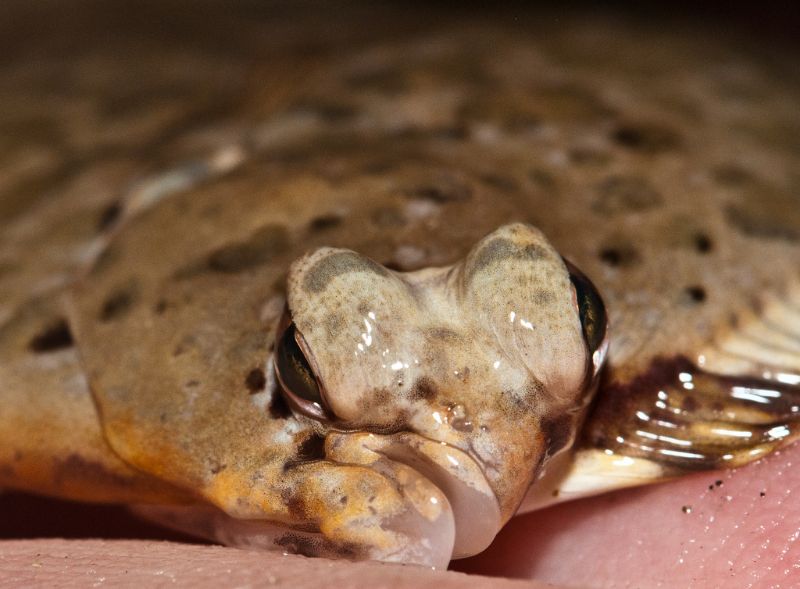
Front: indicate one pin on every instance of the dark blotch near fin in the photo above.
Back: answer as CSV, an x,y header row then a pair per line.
x,y
689,419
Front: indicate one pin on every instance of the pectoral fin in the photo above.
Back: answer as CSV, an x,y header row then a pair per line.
x,y
739,401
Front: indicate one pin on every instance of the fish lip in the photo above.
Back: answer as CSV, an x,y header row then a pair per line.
x,y
475,505
473,534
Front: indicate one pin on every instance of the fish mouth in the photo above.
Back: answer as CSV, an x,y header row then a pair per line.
x,y
475,507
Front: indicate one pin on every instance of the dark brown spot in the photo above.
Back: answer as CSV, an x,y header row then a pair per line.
x,y
443,190
611,256
119,302
255,381
626,194
160,307
337,264
649,138
442,335
324,222
312,448
377,399
703,243
109,216
696,294
55,336
762,494
500,249
218,468
261,247
424,388
619,256
309,450
294,503
504,183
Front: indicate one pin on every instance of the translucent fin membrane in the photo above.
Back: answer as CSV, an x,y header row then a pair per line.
x,y
685,418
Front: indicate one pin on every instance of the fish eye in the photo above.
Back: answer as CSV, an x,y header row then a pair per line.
x,y
591,309
299,384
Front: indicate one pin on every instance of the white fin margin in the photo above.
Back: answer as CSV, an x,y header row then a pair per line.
x,y
588,472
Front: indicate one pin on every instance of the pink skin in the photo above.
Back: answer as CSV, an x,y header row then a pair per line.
x,y
730,535
128,563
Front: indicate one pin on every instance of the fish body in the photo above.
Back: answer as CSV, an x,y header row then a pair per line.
x,y
149,248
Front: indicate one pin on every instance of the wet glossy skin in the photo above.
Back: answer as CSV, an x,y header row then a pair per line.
x,y
486,357
682,214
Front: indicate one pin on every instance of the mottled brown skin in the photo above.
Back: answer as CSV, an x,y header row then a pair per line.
x,y
445,353
670,182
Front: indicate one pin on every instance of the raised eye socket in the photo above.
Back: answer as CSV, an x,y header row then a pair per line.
x,y
297,380
591,310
